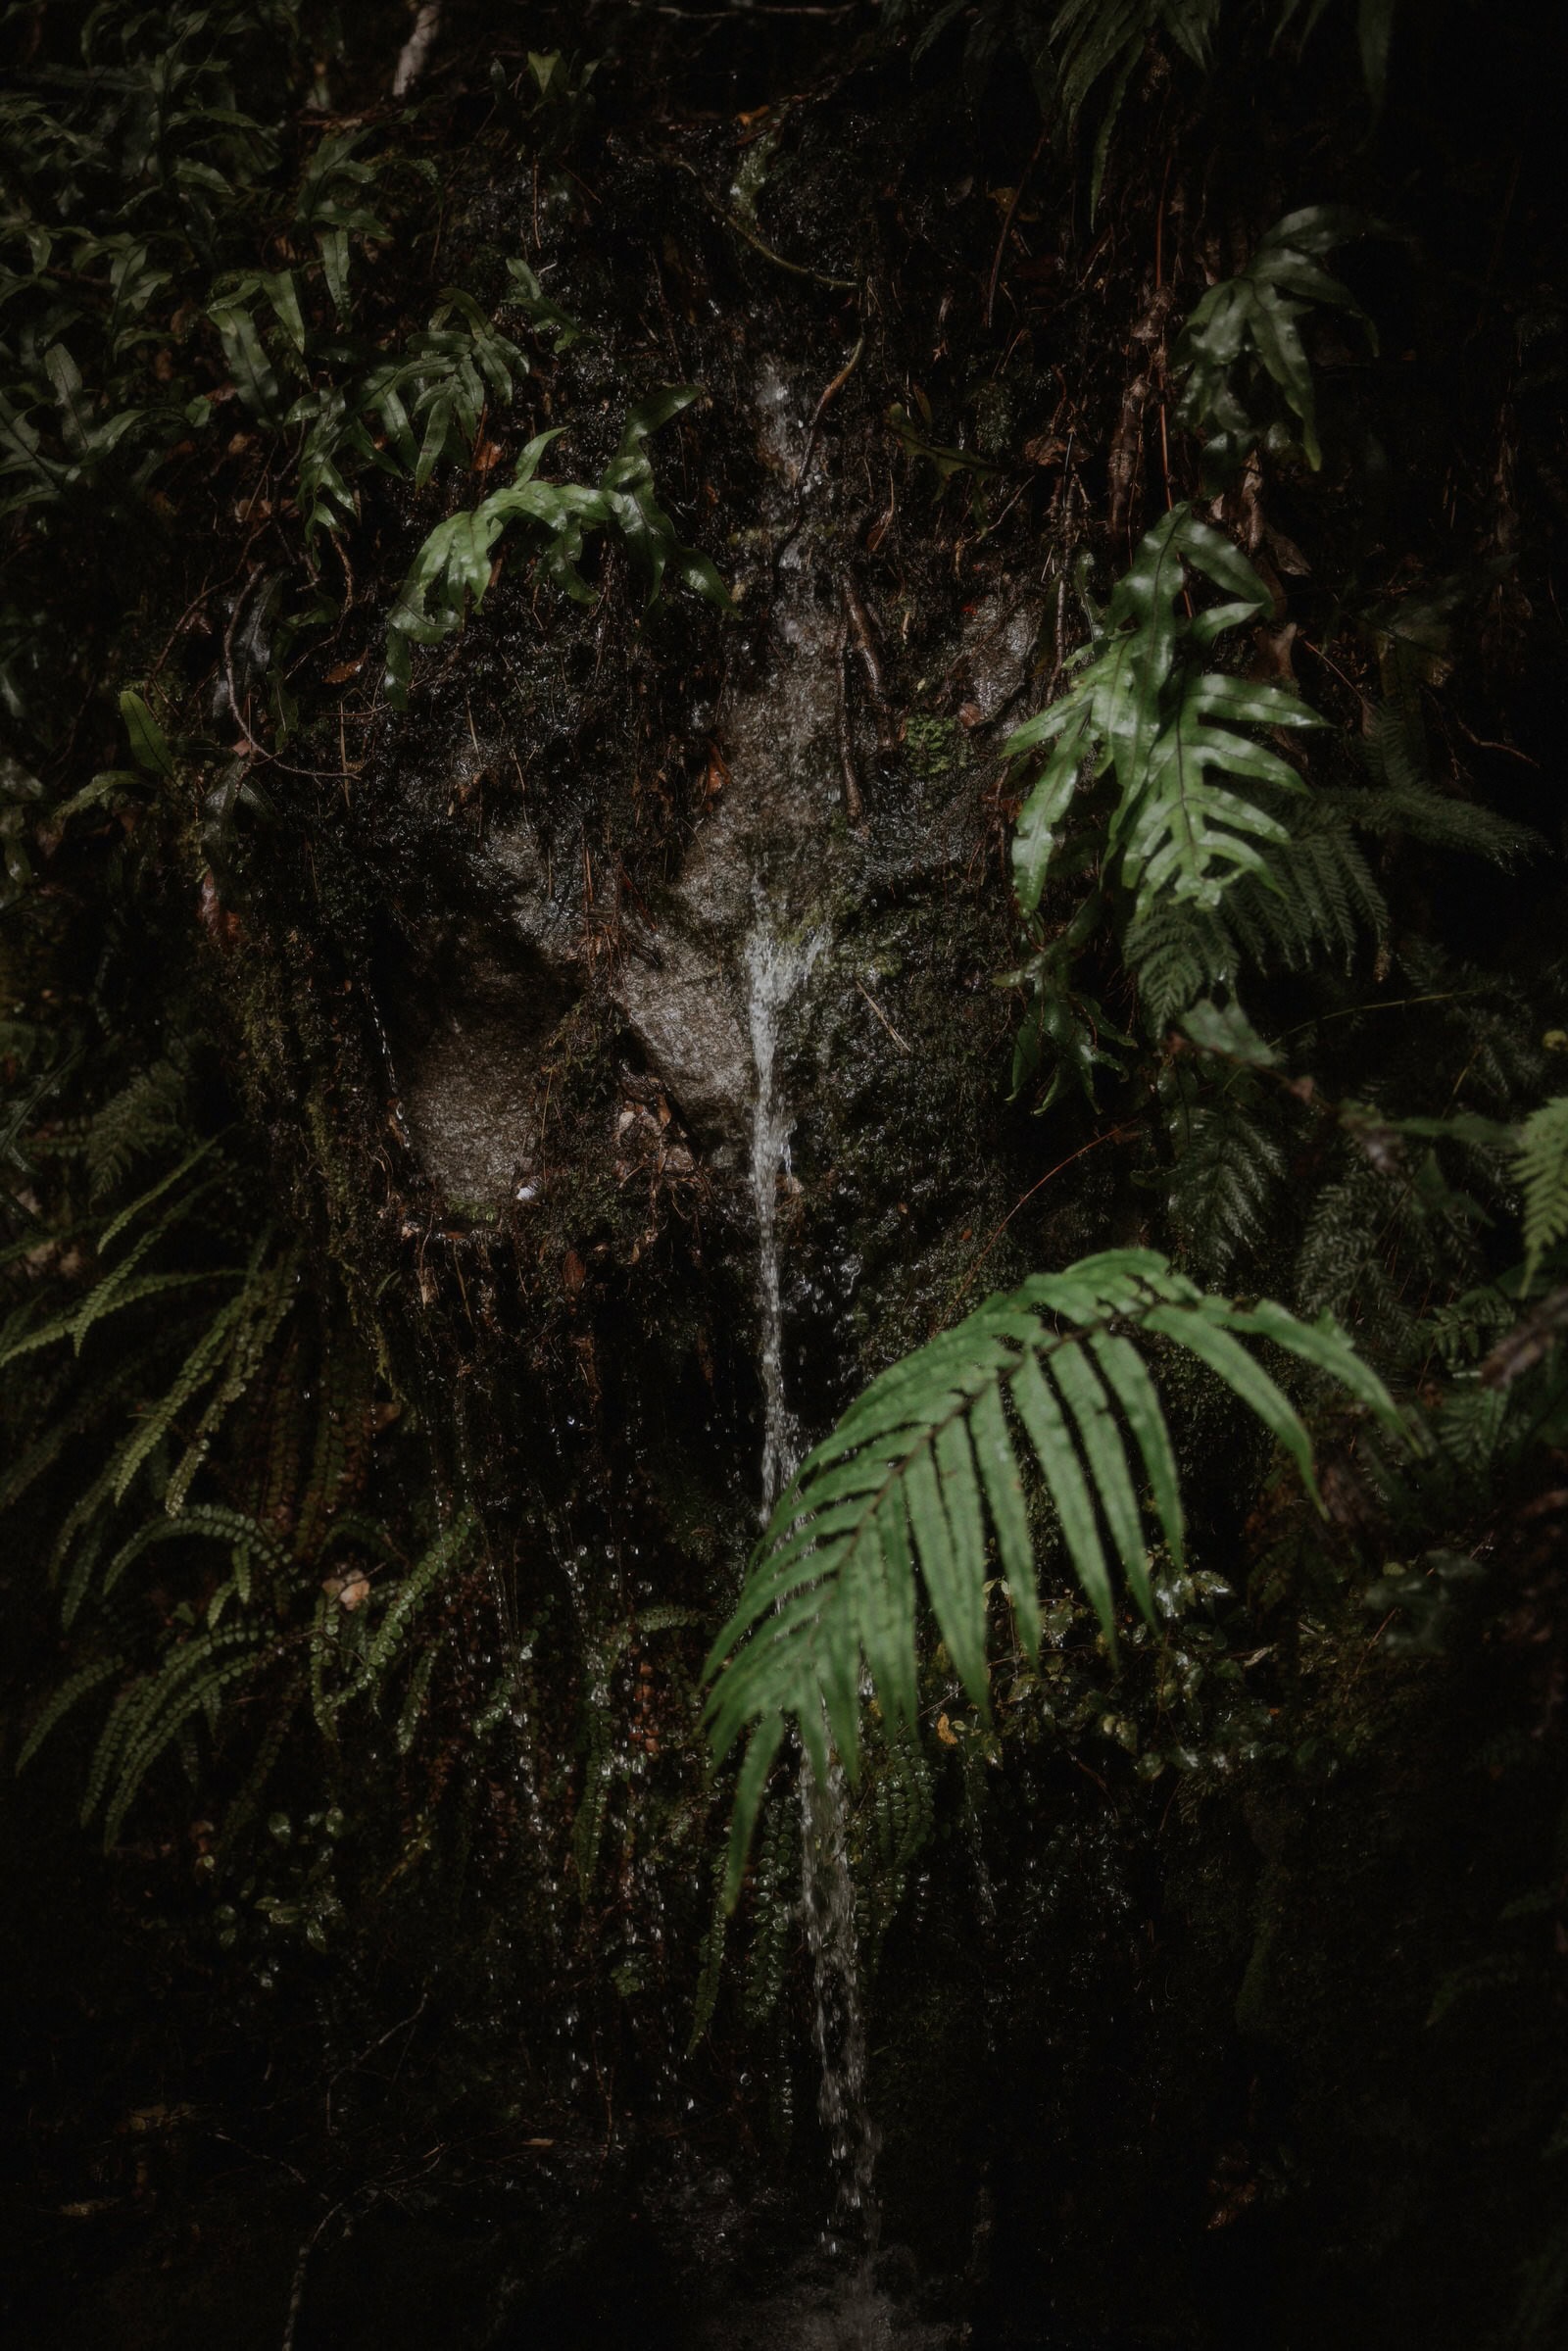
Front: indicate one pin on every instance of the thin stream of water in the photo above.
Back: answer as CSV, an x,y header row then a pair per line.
x,y
777,967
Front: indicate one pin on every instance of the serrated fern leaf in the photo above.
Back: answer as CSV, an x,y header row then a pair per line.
x,y
932,1460
1542,1169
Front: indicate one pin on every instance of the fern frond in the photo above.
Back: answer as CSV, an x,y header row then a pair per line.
x,y
1178,953
408,1597
155,1425
209,1521
1403,797
1312,901
1243,336
191,1678
906,1485
145,1116
265,1299
76,1686
1169,731
1542,1169
1229,1169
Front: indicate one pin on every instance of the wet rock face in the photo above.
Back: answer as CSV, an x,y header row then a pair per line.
x,y
466,1034
822,799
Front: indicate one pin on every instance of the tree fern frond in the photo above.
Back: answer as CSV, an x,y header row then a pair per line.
x,y
1542,1169
1047,1378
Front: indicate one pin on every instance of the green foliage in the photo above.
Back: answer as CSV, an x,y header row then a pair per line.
x,y
1047,1377
1224,1190
209,1490
130,314
1243,336
1144,711
1542,1169
454,563
1082,50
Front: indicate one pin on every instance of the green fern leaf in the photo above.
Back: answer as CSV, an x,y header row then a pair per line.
x,y
1227,1179
902,1487
1243,333
74,1687
1542,1169
1142,711
408,1597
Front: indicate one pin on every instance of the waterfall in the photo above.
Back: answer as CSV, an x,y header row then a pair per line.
x,y
838,2023
776,967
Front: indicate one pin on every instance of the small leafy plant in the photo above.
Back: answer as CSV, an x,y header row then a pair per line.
x,y
455,564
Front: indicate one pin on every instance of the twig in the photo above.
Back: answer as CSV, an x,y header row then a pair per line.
x,y
840,285
832,392
903,1043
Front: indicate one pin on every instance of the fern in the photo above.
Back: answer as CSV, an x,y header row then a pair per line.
x,y
905,1484
409,1596
153,1713
1225,1188
1314,901
1142,712
1075,49
76,1686
1542,1169
1243,334
454,563
211,1521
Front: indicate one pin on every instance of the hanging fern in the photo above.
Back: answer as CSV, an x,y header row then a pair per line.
x,y
905,1487
1079,51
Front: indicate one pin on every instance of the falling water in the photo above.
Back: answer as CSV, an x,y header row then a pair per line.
x,y
775,967
838,2026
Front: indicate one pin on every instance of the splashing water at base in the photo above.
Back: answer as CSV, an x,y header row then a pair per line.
x,y
775,967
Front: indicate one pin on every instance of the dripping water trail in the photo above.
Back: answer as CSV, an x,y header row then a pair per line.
x,y
838,2023
775,967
